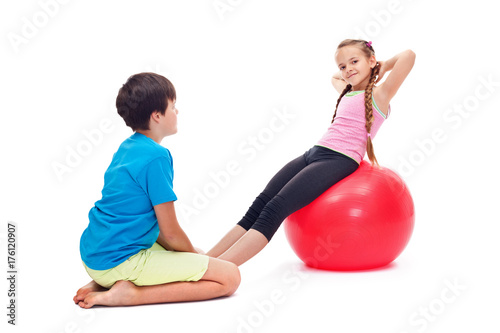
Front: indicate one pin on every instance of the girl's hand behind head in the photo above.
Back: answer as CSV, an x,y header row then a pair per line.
x,y
383,70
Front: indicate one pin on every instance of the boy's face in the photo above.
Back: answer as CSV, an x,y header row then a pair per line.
x,y
169,122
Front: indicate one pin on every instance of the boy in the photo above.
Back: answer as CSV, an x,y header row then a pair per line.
x,y
133,248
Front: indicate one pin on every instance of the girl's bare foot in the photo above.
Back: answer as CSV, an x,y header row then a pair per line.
x,y
92,286
121,293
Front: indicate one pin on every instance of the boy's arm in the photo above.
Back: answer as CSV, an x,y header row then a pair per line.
x,y
161,240
171,237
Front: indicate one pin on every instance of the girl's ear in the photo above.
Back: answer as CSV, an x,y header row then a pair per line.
x,y
372,61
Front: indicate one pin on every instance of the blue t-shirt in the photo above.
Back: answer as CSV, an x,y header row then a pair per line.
x,y
123,222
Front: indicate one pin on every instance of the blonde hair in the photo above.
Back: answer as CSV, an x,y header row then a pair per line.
x,y
368,51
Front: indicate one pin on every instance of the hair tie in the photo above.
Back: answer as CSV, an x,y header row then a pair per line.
x,y
369,44
369,135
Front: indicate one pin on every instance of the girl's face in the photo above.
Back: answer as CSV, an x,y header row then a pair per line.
x,y
354,66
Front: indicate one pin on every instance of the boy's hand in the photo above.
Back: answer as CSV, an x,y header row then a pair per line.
x,y
199,251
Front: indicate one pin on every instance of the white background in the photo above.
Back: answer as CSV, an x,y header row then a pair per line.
x,y
233,71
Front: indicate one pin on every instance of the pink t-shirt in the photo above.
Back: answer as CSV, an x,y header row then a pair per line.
x,y
347,134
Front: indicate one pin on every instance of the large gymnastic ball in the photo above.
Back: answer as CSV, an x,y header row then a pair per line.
x,y
364,221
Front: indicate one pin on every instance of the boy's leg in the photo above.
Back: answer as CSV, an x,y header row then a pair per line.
x,y
221,278
273,187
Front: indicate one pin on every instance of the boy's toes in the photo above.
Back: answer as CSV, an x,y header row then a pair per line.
x,y
85,304
78,298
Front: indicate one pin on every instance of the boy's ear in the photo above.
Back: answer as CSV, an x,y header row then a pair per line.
x,y
155,116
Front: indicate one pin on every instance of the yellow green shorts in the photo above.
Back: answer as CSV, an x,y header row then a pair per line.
x,y
153,266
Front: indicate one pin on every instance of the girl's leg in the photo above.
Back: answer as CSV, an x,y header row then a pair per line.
x,y
251,243
227,241
222,278
272,188
301,190
275,185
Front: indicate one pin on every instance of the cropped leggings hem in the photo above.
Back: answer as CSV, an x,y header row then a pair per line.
x,y
295,186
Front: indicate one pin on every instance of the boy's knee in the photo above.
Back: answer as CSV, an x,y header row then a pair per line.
x,y
233,279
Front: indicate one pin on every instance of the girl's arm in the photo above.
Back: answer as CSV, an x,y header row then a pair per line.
x,y
338,82
399,66
171,237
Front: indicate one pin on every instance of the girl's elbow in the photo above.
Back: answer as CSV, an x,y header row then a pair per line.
x,y
408,58
411,54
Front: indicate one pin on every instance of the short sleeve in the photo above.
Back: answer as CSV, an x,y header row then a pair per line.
x,y
157,180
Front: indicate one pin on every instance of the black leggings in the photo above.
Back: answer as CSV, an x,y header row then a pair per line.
x,y
295,186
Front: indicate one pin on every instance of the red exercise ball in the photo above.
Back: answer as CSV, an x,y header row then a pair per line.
x,y
364,221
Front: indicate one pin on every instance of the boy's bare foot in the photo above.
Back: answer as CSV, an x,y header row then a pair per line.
x,y
121,293
92,286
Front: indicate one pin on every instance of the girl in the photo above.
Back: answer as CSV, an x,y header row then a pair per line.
x,y
361,109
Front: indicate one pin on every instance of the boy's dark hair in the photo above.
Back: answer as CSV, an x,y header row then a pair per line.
x,y
140,96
